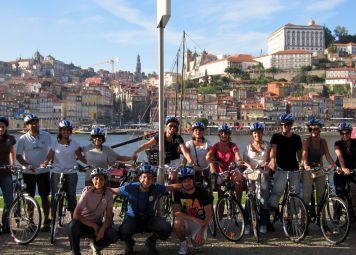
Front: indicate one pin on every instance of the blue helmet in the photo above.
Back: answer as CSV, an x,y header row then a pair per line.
x,y
198,125
98,132
224,128
314,122
344,126
147,168
171,119
4,120
185,172
30,117
65,124
257,126
99,171
286,118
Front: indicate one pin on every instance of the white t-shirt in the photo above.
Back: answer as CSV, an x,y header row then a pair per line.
x,y
64,157
34,150
254,157
199,153
98,158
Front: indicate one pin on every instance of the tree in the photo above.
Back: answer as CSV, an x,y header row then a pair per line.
x,y
234,70
329,38
340,31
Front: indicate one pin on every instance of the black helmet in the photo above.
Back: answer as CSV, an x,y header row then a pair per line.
x,y
172,119
4,120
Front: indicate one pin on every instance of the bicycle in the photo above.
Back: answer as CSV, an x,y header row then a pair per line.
x,y
59,207
292,212
252,199
228,212
24,214
332,212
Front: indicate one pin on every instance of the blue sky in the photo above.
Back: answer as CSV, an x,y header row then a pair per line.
x,y
90,31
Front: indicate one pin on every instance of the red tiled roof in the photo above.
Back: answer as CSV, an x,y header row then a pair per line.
x,y
345,44
284,52
241,58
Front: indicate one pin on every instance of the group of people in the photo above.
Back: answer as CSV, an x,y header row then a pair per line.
x,y
192,204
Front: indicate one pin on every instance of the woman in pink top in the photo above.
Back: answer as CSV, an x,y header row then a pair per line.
x,y
221,155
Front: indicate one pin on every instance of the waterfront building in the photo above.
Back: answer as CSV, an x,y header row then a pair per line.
x,y
281,89
286,59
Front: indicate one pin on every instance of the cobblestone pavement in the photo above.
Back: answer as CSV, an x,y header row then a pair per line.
x,y
274,243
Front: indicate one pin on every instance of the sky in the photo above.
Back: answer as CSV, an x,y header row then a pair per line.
x,y
88,32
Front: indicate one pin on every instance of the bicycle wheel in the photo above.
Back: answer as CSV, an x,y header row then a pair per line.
x,y
295,218
163,207
63,213
120,208
212,223
54,217
229,218
254,219
335,220
24,219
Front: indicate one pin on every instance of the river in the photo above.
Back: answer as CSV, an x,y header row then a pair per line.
x,y
240,140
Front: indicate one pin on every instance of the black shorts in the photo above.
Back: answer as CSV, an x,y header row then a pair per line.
x,y
42,181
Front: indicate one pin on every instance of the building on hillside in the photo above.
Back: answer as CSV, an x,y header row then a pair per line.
x,y
281,89
252,112
172,78
345,48
344,77
286,59
297,37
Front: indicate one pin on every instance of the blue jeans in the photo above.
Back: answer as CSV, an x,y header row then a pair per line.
x,y
7,192
70,187
280,180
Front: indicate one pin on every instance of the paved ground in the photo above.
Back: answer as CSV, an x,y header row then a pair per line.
x,y
274,243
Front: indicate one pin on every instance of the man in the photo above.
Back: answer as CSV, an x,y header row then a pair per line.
x,y
286,147
93,206
192,209
32,150
140,216
173,143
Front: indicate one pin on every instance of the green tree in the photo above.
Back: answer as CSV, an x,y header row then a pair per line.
x,y
340,31
329,38
234,70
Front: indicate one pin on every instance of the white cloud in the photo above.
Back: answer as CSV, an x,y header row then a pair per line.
x,y
323,5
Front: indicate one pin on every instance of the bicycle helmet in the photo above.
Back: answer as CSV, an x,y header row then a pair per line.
x,y
286,118
147,168
185,172
99,171
344,126
65,124
30,117
224,128
314,122
198,125
171,119
4,120
98,132
257,126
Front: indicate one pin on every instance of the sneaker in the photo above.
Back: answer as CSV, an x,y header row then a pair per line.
x,y
247,230
93,248
195,247
263,229
151,245
129,247
183,249
46,226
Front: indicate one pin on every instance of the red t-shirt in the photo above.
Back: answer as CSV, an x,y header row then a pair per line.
x,y
224,157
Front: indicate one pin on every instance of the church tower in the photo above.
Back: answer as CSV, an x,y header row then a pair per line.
x,y
138,74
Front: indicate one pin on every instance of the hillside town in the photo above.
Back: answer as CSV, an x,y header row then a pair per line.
x,y
302,72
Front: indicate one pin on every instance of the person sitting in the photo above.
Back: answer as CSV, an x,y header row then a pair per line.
x,y
192,209
93,206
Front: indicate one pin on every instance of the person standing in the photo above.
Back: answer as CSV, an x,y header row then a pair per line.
x,y
192,208
32,150
94,205
7,157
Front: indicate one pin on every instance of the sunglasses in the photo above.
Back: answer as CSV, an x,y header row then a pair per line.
x,y
172,126
313,129
345,133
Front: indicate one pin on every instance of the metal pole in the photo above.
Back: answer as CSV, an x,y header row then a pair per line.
x,y
160,176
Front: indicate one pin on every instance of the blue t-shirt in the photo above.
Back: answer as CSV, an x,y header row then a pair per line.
x,y
141,202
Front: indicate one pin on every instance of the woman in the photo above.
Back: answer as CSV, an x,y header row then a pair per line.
x,y
345,150
63,154
93,206
256,154
7,157
221,155
314,148
198,147
99,155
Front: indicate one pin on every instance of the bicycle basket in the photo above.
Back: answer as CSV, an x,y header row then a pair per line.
x,y
250,174
153,156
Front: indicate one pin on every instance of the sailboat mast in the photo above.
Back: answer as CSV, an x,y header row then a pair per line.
x,y
177,86
182,86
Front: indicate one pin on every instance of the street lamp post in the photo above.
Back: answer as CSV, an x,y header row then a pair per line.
x,y
163,15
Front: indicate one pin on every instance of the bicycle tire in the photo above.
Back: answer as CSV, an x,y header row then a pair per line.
x,y
335,220
212,224
254,219
25,225
54,219
295,218
61,212
231,222
120,208
163,207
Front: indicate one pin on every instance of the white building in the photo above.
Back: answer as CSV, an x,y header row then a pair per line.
x,y
286,59
342,76
349,48
297,37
